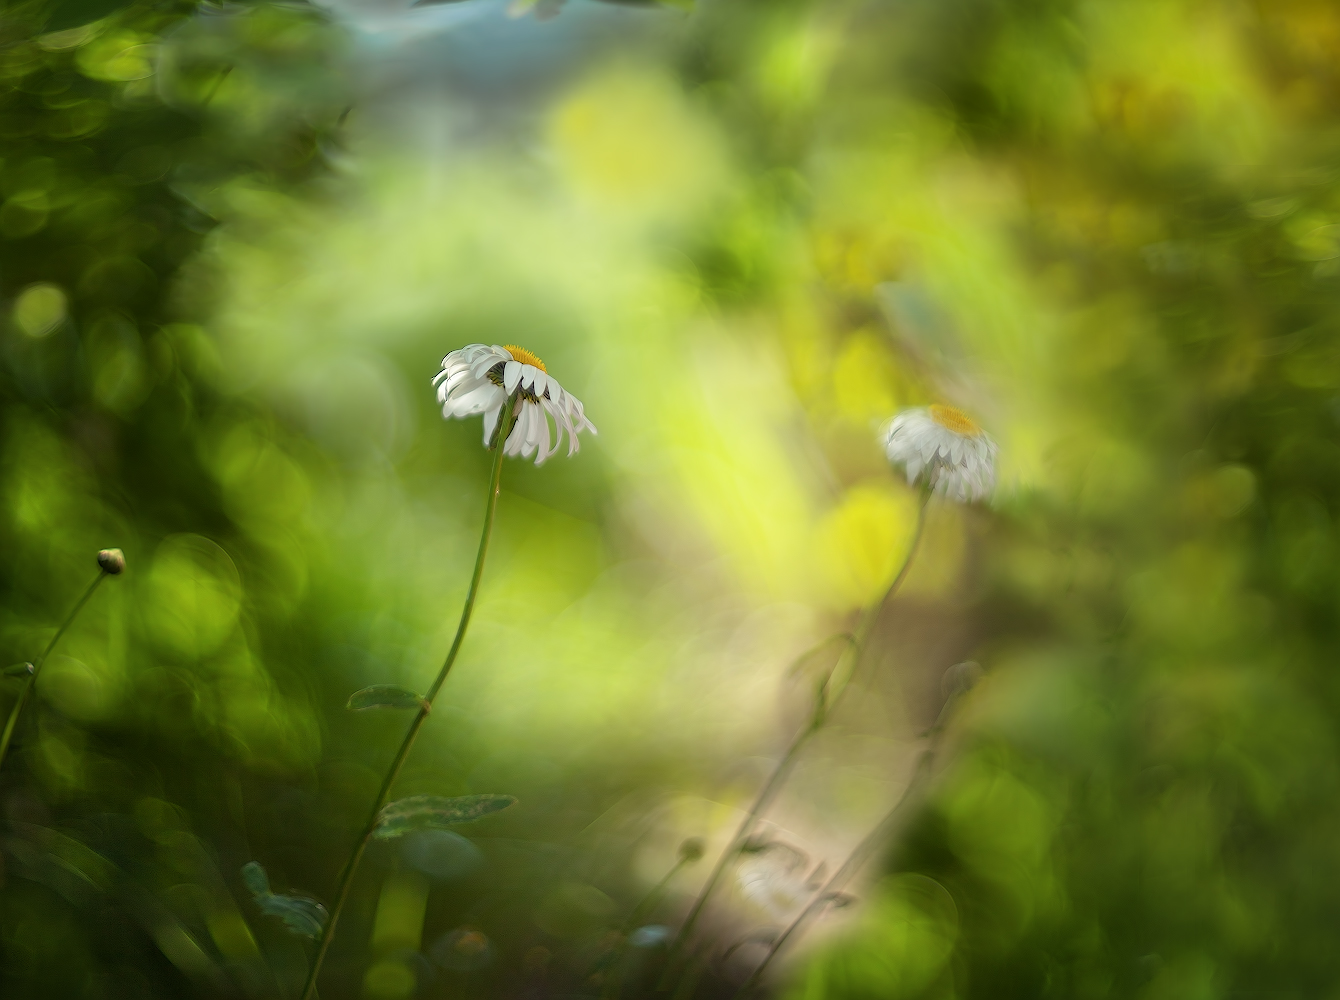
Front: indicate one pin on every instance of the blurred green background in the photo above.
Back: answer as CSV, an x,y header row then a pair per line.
x,y
237,240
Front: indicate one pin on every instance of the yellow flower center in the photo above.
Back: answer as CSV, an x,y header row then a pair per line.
x,y
525,357
954,419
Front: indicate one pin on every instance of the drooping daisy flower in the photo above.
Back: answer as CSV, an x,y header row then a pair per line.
x,y
946,447
479,378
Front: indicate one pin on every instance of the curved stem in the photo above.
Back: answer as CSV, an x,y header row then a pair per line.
x,y
764,798
858,857
653,897
13,720
351,866
844,671
644,908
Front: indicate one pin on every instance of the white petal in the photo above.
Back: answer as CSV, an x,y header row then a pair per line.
x,y
562,424
511,376
532,439
476,401
512,446
490,422
543,453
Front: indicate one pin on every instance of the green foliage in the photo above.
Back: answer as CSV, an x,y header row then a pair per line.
x,y
232,250
69,14
433,812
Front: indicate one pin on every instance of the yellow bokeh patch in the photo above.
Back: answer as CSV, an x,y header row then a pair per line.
x,y
862,541
628,141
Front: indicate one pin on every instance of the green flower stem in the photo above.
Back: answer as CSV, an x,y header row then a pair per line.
x,y
13,720
855,861
351,866
613,981
829,697
651,899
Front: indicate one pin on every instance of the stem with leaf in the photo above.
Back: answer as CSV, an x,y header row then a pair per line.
x,y
855,861
829,694
351,866
882,832
689,852
107,567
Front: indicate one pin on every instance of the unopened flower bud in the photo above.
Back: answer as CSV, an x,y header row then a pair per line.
x,y
692,849
112,561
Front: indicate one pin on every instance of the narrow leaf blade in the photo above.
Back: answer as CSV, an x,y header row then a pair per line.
x,y
433,812
384,696
301,915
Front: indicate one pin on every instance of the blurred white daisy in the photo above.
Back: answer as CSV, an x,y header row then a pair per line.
x,y
946,447
479,378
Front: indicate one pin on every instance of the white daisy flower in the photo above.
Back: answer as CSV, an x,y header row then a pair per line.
x,y
479,378
947,447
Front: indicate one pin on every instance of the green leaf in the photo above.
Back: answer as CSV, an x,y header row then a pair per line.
x,y
19,670
432,812
385,696
301,915
253,875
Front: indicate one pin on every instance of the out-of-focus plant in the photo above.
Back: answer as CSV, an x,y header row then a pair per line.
x,y
111,562
110,179
945,452
958,680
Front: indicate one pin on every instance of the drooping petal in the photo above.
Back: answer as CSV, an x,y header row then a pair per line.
x,y
542,437
961,466
533,419
482,397
490,422
464,387
578,412
458,384
523,438
562,425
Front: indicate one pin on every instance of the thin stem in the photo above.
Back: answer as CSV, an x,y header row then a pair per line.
x,y
652,898
855,861
844,671
765,796
13,720
882,831
641,911
351,866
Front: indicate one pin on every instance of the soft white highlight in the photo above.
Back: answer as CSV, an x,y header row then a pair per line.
x,y
957,462
479,378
